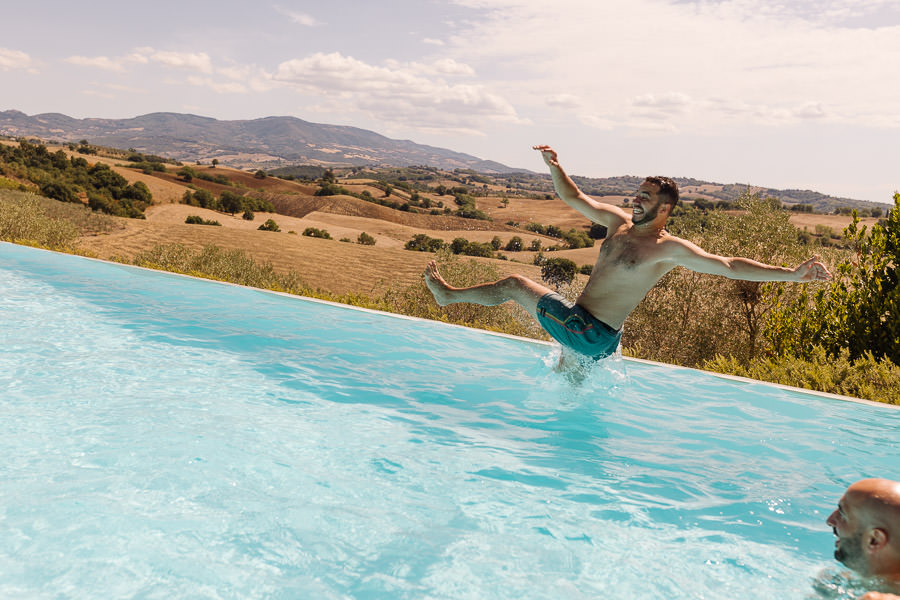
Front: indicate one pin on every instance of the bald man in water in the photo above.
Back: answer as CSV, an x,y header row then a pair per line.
x,y
867,526
635,255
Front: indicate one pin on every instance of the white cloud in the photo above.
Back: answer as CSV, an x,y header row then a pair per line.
x,y
399,93
99,62
565,101
15,59
772,61
434,42
195,61
443,66
298,17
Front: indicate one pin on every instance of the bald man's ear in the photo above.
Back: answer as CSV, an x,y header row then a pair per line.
x,y
876,539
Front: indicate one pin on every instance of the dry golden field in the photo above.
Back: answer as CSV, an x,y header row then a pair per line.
x,y
333,265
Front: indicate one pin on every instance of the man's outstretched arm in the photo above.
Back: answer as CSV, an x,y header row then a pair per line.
x,y
691,256
568,192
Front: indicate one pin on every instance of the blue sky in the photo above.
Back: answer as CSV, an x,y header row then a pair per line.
x,y
789,94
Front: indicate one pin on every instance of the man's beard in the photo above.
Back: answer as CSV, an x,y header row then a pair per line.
x,y
646,215
849,552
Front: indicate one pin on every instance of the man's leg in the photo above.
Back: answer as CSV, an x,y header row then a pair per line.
x,y
515,287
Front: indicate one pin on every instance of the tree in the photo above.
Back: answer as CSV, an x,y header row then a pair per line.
x,y
859,310
423,243
186,173
231,202
316,233
365,239
269,225
515,244
557,271
205,199
215,161
260,174
59,191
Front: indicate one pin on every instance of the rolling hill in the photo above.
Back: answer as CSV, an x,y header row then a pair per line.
x,y
266,143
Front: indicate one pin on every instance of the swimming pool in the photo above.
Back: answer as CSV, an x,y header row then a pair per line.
x,y
166,437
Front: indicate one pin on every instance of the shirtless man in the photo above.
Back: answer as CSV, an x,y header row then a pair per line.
x,y
636,253
867,526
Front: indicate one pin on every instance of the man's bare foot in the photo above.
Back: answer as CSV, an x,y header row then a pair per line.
x,y
438,286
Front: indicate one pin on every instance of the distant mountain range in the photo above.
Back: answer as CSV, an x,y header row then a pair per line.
x,y
266,143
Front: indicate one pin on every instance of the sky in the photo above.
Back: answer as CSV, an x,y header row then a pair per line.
x,y
798,94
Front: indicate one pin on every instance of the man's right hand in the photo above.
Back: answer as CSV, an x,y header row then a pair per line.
x,y
548,154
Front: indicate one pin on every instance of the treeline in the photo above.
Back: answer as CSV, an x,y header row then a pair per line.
x,y
228,201
74,179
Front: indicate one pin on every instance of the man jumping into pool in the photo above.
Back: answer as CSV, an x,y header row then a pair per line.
x,y
635,255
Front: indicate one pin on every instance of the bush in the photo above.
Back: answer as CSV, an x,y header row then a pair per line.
x,y
248,215
365,239
316,233
231,202
330,189
858,310
24,218
515,244
186,173
269,225
558,271
862,377
196,220
423,243
577,239
215,263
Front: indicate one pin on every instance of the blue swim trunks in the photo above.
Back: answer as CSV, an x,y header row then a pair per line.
x,y
576,328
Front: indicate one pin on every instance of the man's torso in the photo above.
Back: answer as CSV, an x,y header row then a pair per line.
x,y
627,268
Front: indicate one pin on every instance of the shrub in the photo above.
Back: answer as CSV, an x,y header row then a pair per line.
x,y
423,243
269,225
186,173
316,233
248,215
577,239
24,218
196,220
515,244
858,310
558,271
365,239
231,202
861,377
215,263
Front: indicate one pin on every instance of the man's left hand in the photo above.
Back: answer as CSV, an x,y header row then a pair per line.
x,y
812,270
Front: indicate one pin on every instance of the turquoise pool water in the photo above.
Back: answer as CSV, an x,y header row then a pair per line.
x,y
165,437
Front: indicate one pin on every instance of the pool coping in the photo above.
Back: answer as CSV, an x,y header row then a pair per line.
x,y
548,344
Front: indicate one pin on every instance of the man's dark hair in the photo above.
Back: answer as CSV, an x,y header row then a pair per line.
x,y
667,187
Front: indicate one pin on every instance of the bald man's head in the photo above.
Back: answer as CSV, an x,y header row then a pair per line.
x,y
867,526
